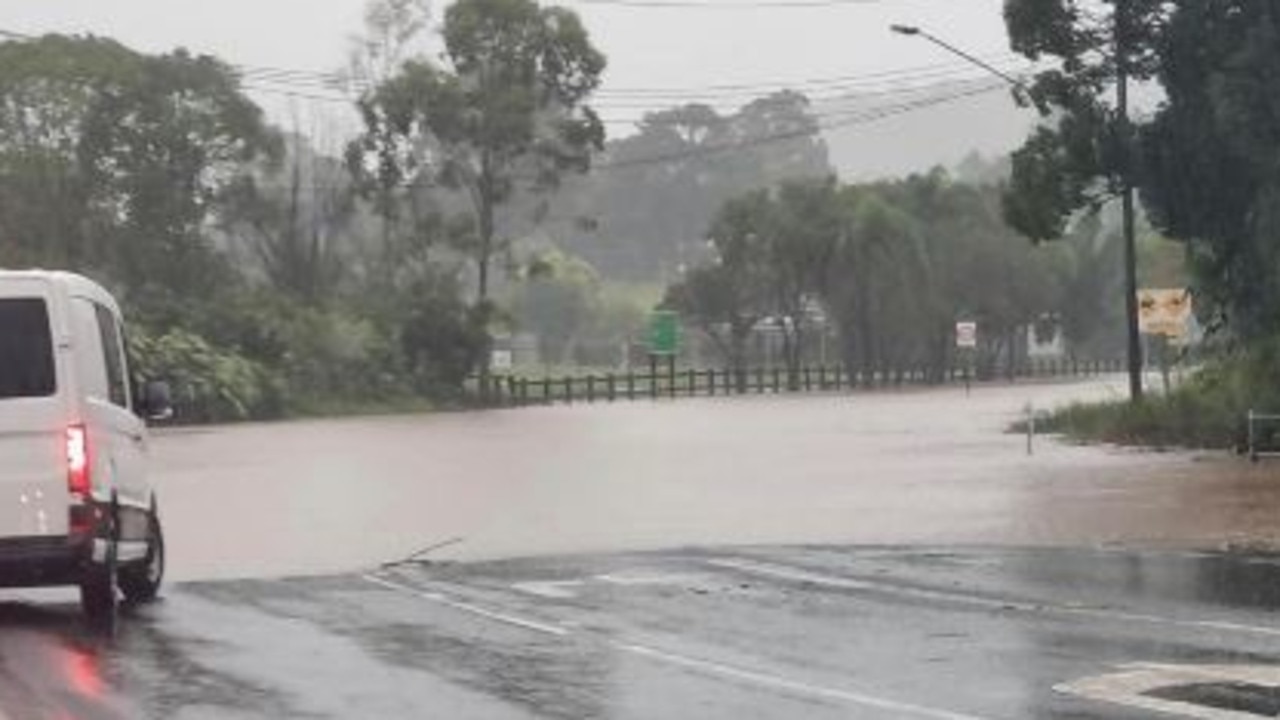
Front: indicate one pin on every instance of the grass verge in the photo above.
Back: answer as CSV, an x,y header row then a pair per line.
x,y
1207,411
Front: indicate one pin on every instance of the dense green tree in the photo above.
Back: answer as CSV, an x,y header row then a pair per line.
x,y
891,266
508,113
877,292
116,161
1210,174
807,227
728,297
1078,158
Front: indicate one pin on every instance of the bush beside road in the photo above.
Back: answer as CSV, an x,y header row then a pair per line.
x,y
1208,410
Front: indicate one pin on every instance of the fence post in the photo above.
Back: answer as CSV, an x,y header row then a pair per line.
x,y
808,379
613,387
671,375
1253,450
631,384
591,388
693,382
653,377
776,377
760,380
711,382
568,389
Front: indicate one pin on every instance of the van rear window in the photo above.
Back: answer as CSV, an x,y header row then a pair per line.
x,y
26,349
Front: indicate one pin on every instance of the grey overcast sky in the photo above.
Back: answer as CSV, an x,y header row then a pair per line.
x,y
686,47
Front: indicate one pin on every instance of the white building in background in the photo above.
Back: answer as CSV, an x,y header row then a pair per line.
x,y
1045,348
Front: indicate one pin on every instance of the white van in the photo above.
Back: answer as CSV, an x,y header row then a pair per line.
x,y
76,505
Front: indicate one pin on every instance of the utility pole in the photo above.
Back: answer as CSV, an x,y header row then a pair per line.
x,y
1121,31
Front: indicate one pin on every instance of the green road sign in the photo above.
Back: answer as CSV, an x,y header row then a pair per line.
x,y
664,333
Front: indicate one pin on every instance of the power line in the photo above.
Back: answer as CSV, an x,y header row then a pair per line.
x,y
844,120
860,118
348,102
891,78
835,93
883,83
328,80
725,4
305,83
296,94
906,93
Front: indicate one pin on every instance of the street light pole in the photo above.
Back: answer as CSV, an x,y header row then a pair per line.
x,y
1134,340
1133,334
912,31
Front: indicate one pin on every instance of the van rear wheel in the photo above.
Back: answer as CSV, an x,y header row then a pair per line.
x,y
99,588
141,583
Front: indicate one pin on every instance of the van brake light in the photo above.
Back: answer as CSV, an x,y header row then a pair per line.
x,y
78,462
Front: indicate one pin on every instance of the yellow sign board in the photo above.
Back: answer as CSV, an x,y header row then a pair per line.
x,y
1164,312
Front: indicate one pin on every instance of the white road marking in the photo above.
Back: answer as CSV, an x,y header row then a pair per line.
x,y
440,599
793,574
778,682
1127,686
637,579
554,589
567,589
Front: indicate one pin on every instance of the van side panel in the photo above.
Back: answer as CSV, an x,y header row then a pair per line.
x,y
33,468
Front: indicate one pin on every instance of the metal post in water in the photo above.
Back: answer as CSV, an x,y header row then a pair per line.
x,y
1031,428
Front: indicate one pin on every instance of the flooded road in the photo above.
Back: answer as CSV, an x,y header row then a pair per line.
x,y
877,555
923,466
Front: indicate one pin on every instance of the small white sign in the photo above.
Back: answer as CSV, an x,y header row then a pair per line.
x,y
967,334
502,360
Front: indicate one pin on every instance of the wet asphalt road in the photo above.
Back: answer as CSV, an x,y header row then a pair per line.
x,y
1089,570
764,632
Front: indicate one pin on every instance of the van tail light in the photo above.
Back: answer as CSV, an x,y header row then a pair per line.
x,y
78,464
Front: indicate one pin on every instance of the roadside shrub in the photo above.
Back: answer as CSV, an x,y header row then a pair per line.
x,y
209,384
1207,411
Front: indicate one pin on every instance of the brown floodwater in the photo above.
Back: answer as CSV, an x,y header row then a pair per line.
x,y
914,467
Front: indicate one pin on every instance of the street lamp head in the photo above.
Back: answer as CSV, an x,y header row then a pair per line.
x,y
905,29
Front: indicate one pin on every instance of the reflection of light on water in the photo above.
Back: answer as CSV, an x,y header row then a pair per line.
x,y
84,673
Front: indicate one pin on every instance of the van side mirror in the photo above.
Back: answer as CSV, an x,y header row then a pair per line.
x,y
155,400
